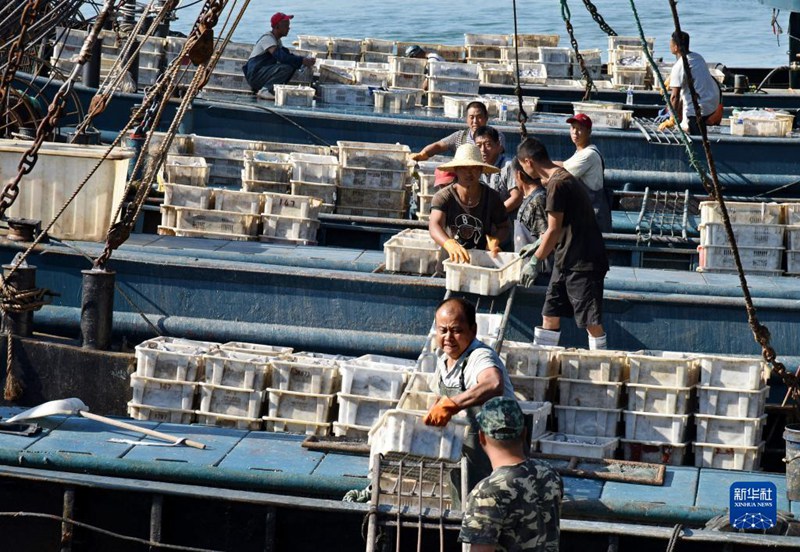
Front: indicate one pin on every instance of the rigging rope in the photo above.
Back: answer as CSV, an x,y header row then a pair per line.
x,y
566,15
522,117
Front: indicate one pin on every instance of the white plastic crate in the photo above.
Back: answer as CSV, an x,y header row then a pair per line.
x,y
313,43
371,381
472,39
793,262
296,426
557,71
306,407
533,73
415,255
732,372
526,53
179,195
598,422
235,402
753,259
424,205
417,400
539,412
292,205
169,361
581,446
654,452
447,69
238,202
629,77
325,192
267,166
372,77
345,94
793,238
791,213
185,169
737,403
729,431
761,123
453,85
628,56
727,457
289,95
293,228
362,411
345,45
455,107
396,100
741,212
167,340
585,393
369,155
533,388
260,187
746,235
497,74
305,374
373,198
256,348
407,80
237,369
646,426
351,432
329,74
410,66
168,400
535,40
605,118
480,54
554,55
484,274
381,180
616,41
527,359
228,420
377,45
495,102
403,431
420,381
659,399
217,222
671,369
384,362
598,366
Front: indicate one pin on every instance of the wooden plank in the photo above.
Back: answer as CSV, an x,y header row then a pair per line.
x,y
219,442
679,489
273,452
607,469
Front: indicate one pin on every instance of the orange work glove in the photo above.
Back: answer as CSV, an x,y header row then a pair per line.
x,y
492,245
441,412
669,123
456,251
420,156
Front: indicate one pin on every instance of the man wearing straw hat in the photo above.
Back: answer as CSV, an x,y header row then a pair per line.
x,y
467,214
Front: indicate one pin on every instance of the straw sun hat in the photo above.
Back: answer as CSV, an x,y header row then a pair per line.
x,y
468,155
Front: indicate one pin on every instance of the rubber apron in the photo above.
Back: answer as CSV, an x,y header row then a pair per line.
x,y
478,464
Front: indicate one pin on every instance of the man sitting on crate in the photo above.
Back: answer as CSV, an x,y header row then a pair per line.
x,y
270,63
467,214
518,507
576,285
468,374
477,116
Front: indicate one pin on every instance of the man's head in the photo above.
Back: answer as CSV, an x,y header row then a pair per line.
x,y
679,40
522,177
501,419
455,326
488,141
415,51
477,115
533,156
580,129
280,24
468,165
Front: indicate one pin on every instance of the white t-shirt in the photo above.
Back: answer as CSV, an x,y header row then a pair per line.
x,y
264,43
704,84
480,358
586,165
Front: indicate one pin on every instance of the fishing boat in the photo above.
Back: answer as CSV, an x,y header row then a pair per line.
x,y
262,490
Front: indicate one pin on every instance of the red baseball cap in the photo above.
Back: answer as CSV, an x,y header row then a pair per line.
x,y
581,119
278,17
443,178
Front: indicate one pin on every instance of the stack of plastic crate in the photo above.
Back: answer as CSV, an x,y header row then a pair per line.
x,y
426,177
168,374
660,400
485,48
301,394
451,79
758,232
291,219
556,61
373,179
237,374
186,170
356,95
348,49
407,73
605,114
761,122
315,176
590,401
265,171
627,63
376,50
533,369
732,396
497,73
447,52
413,251
495,102
372,73
396,100
289,95
333,71
592,60
791,215
318,45
186,212
371,385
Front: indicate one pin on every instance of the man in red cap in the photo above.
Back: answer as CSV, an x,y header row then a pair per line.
x,y
587,166
270,63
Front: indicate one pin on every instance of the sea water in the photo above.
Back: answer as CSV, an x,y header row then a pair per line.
x,y
737,33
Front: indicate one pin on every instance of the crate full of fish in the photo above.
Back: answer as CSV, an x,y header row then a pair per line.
x,y
582,446
746,235
483,274
414,253
368,155
403,432
346,94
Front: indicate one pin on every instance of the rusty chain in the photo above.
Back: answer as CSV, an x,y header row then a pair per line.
x,y
599,18
761,333
566,15
30,13
522,116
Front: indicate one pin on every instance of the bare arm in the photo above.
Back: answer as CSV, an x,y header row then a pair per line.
x,y
675,100
550,238
489,384
482,548
430,150
436,224
514,200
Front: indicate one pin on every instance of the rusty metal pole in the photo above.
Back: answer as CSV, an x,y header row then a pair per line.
x,y
97,308
68,513
24,278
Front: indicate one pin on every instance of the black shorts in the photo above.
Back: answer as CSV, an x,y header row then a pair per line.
x,y
575,294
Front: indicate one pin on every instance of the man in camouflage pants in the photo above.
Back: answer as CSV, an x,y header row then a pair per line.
x,y
518,507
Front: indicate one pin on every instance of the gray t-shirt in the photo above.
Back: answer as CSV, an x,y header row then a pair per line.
x,y
479,358
264,43
502,182
465,137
